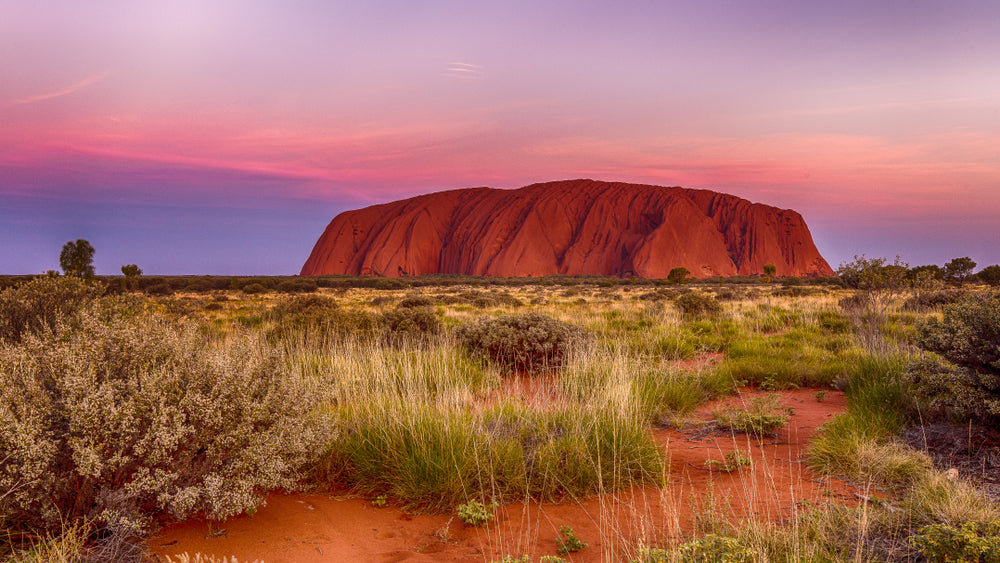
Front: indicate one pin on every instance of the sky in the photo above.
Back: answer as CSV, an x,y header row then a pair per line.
x,y
221,136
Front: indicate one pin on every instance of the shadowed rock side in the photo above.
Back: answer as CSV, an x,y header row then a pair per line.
x,y
573,227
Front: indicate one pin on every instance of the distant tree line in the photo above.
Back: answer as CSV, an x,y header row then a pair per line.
x,y
76,259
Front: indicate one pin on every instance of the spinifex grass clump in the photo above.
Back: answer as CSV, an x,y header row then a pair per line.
x,y
366,372
320,319
858,444
435,457
525,343
420,426
120,416
804,356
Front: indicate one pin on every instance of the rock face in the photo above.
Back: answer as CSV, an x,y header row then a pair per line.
x,y
573,227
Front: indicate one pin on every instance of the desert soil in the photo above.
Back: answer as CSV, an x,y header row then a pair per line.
x,y
300,528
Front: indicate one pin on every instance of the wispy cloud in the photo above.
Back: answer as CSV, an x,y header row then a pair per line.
x,y
465,69
89,81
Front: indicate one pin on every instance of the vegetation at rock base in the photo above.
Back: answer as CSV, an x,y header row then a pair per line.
x,y
200,397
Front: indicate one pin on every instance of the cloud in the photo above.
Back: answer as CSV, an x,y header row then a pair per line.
x,y
465,69
89,81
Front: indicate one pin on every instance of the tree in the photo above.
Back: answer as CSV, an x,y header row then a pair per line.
x,y
990,275
878,283
77,258
769,271
677,275
930,271
131,273
959,269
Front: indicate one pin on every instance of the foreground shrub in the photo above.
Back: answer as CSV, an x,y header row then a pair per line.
x,y
411,323
528,343
475,513
697,303
763,417
970,542
38,303
122,417
968,338
931,299
569,542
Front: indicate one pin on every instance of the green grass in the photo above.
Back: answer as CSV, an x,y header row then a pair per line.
x,y
433,458
805,356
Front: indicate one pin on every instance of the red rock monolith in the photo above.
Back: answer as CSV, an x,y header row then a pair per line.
x,y
572,227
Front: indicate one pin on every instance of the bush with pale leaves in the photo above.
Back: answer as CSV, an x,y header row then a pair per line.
x,y
122,415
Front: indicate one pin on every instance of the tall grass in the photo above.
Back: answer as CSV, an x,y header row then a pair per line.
x,y
427,427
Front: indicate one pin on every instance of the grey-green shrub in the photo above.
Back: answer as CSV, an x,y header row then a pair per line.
x,y
697,303
36,304
411,323
967,385
119,417
530,342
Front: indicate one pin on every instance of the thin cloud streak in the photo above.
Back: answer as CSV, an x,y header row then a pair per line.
x,y
89,81
465,69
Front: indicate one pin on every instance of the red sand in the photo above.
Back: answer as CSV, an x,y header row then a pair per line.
x,y
299,528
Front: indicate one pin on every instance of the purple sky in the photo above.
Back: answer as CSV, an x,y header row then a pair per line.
x,y
220,137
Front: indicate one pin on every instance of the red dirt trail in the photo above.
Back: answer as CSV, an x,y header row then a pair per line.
x,y
300,528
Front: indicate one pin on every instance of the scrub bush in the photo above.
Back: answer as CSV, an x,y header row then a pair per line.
x,y
698,304
967,384
968,542
119,417
37,304
763,417
528,343
411,323
569,542
475,513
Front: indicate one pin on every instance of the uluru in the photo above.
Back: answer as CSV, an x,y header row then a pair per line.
x,y
571,227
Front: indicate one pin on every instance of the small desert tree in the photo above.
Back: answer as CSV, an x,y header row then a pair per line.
x,y
959,269
77,258
132,274
677,275
990,275
878,284
769,271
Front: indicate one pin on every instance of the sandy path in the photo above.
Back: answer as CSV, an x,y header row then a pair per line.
x,y
300,528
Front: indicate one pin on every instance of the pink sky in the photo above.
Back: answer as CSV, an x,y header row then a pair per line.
x,y
221,137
